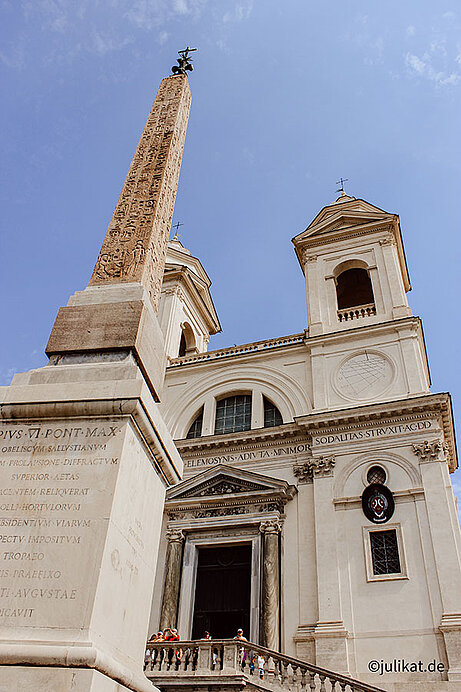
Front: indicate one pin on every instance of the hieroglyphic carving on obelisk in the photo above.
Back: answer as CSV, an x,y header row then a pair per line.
x,y
134,248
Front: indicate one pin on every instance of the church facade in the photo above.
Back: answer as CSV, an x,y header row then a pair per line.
x,y
295,488
316,510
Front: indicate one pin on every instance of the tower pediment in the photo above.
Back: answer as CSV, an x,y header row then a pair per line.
x,y
341,215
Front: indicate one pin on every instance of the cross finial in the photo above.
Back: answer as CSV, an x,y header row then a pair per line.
x,y
177,226
184,61
341,182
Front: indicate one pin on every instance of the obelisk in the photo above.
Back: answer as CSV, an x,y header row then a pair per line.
x,y
85,457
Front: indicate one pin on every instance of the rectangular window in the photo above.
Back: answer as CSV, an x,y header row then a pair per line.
x,y
385,552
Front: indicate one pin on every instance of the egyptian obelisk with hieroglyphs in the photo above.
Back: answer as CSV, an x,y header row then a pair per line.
x,y
85,456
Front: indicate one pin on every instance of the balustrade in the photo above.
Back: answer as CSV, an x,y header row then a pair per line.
x,y
356,313
213,657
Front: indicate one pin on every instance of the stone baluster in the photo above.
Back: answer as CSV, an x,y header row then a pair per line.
x,y
230,663
204,656
168,615
271,584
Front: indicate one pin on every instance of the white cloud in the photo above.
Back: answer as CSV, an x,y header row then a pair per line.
x,y
415,63
104,43
411,30
239,12
181,7
423,67
162,37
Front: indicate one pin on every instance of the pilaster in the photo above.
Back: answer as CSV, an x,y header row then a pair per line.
x,y
329,633
445,537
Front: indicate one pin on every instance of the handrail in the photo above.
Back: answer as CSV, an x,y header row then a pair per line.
x,y
243,349
235,656
356,312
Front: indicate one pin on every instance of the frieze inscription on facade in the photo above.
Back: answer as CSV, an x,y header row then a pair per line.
x,y
266,453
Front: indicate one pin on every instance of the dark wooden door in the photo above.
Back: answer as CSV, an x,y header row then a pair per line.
x,y
222,593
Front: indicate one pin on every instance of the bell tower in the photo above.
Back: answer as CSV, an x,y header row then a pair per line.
x,y
187,315
366,344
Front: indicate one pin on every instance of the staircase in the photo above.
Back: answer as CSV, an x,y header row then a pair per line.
x,y
231,665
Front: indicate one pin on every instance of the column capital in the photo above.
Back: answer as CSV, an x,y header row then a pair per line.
x,y
320,467
388,240
307,257
174,535
271,526
436,450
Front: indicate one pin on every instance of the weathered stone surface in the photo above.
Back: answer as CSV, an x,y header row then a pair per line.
x,y
134,248
111,326
77,537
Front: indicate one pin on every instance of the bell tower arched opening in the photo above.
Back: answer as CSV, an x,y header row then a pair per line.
x,y
353,288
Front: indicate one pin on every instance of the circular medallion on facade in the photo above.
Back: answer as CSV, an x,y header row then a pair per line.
x,y
378,503
364,376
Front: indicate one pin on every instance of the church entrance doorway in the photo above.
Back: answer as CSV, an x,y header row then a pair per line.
x,y
222,593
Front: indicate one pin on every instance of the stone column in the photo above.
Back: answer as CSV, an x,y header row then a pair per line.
x,y
169,612
270,637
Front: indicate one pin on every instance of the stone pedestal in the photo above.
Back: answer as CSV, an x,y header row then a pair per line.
x,y
84,462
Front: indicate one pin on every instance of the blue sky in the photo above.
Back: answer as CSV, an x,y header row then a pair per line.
x,y
287,97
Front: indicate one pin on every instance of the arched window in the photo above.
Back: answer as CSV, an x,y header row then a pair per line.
x,y
233,414
187,344
272,415
195,429
353,288
182,346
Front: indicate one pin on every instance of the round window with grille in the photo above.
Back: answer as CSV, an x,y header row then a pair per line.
x,y
376,474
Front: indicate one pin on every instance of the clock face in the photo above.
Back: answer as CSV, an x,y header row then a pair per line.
x,y
364,375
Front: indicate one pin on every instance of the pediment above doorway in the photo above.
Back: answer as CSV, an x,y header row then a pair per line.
x,y
227,491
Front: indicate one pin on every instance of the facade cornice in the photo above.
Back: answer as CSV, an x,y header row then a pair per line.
x,y
249,438
411,321
330,422
387,413
332,235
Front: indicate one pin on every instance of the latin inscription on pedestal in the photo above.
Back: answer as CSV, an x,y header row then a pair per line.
x,y
56,486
